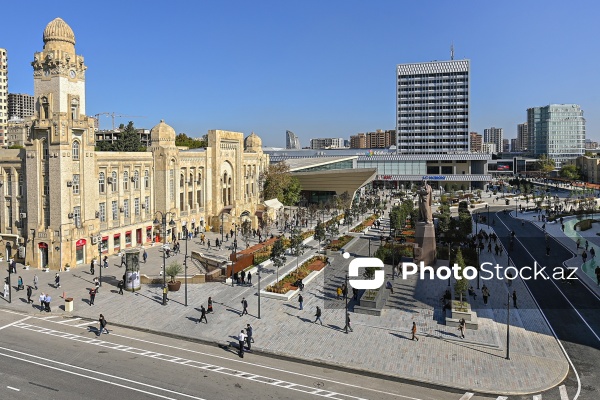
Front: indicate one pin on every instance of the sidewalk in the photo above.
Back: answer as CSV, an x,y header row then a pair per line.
x,y
378,344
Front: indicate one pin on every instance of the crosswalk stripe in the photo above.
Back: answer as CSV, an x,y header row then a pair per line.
x,y
466,396
502,398
563,392
68,321
537,397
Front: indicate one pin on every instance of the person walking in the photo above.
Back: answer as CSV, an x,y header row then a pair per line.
x,y
165,294
96,284
245,306
249,333
92,264
29,293
462,326
210,305
339,292
485,293
514,296
318,315
243,277
208,244
102,323
92,293
578,242
35,281
390,287
301,300
105,262
593,252
587,245
202,315
584,256
414,332
122,260
249,278
241,341
42,302
20,284
120,286
47,300
597,271
145,256
348,326
56,281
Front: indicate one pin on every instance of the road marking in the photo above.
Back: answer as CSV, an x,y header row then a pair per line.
x,y
10,387
14,323
133,350
548,322
64,369
165,357
537,397
68,321
502,398
563,392
466,396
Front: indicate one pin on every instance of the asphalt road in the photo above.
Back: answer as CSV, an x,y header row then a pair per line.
x,y
64,359
571,309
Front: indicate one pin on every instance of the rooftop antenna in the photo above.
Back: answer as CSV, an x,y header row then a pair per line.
x,y
452,51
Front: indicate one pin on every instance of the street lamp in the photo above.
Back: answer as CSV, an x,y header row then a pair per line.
x,y
163,223
185,232
487,207
508,327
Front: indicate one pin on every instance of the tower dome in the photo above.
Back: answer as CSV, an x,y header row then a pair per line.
x,y
59,30
253,142
162,134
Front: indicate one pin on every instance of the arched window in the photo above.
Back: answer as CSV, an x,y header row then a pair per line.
x,y
125,180
102,182
146,179
115,181
181,180
76,150
136,179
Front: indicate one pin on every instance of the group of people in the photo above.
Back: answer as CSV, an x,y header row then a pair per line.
x,y
242,278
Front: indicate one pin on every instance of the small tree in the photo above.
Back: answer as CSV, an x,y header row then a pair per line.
x,y
246,230
462,284
278,255
319,232
296,242
173,270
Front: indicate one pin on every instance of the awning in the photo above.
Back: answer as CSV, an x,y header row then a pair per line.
x,y
273,203
226,210
259,213
148,228
128,233
104,238
116,235
80,242
43,245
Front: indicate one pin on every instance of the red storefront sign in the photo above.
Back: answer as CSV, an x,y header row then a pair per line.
x,y
80,243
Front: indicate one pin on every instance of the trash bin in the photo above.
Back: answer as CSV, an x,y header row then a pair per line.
x,y
69,304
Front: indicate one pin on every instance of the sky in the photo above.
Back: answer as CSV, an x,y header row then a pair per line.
x,y
317,68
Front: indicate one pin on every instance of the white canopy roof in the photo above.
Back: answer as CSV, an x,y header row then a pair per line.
x,y
273,203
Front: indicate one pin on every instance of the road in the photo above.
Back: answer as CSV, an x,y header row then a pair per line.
x,y
55,358
571,309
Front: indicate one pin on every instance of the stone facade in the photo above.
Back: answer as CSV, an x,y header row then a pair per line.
x,y
64,202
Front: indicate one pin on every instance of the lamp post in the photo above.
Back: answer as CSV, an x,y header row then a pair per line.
x,y
259,275
163,223
508,326
487,207
346,309
99,240
185,232
449,263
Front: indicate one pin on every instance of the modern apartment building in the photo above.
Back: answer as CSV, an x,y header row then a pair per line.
x,y
476,142
522,137
489,148
494,135
358,141
20,105
505,145
291,140
432,107
590,144
379,139
3,96
556,130
327,143
513,145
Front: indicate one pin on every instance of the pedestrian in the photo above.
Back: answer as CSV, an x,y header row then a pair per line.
x,y
96,284
345,291
597,271
249,335
515,299
42,302
578,242
20,284
120,286
489,247
56,281
241,341
485,293
210,306
339,292
462,326
394,271
593,252
92,267
145,256
202,315
509,278
301,300
122,260
584,256
249,278
165,294
105,262
389,286
318,315
35,281
355,293
47,301
245,306
208,243
348,326
414,332
92,293
29,293
243,277
102,323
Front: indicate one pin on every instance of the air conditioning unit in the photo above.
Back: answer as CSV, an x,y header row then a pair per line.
x,y
70,215
69,183
94,239
143,206
133,179
23,215
121,209
97,214
110,180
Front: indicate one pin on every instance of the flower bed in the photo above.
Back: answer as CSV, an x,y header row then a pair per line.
x,y
284,285
365,224
338,244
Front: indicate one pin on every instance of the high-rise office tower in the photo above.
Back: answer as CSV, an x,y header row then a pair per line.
x,y
556,130
513,145
522,137
291,140
494,135
20,105
432,107
3,97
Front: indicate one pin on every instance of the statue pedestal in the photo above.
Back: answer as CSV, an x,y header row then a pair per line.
x,y
425,238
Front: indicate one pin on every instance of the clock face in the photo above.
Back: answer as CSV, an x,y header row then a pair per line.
x,y
72,74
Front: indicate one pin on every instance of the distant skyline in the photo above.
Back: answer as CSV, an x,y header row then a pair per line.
x,y
319,69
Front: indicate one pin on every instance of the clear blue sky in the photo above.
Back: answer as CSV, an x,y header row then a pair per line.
x,y
318,68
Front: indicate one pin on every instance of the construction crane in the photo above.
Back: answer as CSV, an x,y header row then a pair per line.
x,y
113,115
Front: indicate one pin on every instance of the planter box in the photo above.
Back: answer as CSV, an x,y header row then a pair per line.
x,y
291,293
174,286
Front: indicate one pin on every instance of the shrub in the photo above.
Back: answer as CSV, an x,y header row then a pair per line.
x,y
173,270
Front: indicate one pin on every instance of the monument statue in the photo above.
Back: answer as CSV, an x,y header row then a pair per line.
x,y
425,195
